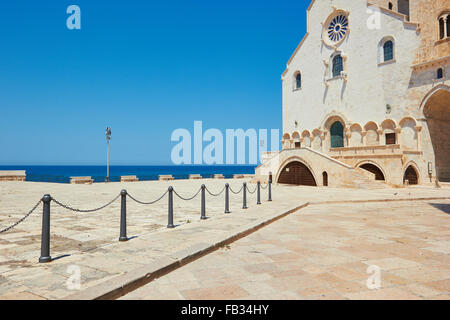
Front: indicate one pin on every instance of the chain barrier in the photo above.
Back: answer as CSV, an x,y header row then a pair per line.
x,y
151,202
251,191
264,187
215,194
21,220
237,191
88,210
187,199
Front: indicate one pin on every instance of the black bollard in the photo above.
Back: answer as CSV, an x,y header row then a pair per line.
x,y
170,224
203,212
227,198
45,236
270,190
244,205
123,216
258,193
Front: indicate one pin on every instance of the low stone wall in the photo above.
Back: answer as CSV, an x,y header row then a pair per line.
x,y
81,180
13,175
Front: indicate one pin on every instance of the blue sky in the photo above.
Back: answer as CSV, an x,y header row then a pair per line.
x,y
145,68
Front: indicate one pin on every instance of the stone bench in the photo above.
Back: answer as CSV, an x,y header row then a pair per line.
x,y
219,176
13,175
195,176
165,177
129,179
81,180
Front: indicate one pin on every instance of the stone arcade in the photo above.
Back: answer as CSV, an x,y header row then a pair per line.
x,y
367,105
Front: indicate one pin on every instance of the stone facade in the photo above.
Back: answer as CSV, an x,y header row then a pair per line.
x,y
364,88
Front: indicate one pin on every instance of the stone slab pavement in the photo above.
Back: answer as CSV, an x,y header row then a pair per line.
x,y
324,252
89,241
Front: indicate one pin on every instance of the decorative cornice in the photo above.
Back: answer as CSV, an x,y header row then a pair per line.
x,y
430,63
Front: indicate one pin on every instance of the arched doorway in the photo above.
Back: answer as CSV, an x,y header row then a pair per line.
x,y
298,174
410,175
325,178
437,113
373,169
337,135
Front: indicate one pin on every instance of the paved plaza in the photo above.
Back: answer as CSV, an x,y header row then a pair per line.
x,y
323,252
312,240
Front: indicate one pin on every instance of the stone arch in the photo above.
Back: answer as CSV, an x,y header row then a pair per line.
x,y
374,168
409,135
296,139
316,141
286,142
372,137
331,119
411,173
296,171
389,130
436,110
306,137
356,136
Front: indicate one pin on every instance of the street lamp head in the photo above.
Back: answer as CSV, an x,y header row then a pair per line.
x,y
108,133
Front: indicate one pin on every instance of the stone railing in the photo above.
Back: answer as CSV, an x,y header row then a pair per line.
x,y
13,175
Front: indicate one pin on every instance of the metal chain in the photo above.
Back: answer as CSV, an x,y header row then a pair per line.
x,y
264,187
89,210
187,199
238,191
21,220
151,202
251,191
215,194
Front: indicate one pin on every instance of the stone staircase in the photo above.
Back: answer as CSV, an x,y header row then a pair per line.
x,y
363,179
343,175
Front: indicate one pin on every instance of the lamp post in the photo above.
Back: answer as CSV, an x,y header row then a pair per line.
x,y
108,138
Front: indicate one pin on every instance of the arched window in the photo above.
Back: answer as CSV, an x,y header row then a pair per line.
x,y
391,6
337,135
325,178
440,73
338,65
441,28
298,81
388,50
444,26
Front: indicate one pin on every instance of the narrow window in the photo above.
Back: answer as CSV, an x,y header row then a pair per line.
x,y
440,73
298,81
325,178
338,65
390,138
388,49
448,26
337,135
441,28
390,5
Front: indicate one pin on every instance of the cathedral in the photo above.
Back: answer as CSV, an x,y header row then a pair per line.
x,y
366,97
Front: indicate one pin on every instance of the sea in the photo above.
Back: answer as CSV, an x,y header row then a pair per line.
x,y
62,174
